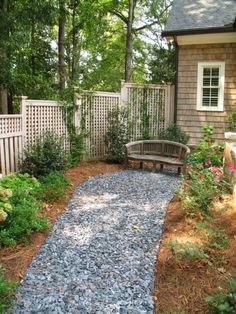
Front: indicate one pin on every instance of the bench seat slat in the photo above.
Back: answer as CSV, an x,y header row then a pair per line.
x,y
160,159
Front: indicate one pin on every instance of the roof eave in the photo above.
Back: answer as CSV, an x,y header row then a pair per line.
x,y
199,31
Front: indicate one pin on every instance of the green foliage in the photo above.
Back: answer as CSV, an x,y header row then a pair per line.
x,y
173,133
232,120
224,301
53,186
194,195
207,151
187,250
117,135
7,290
24,217
5,206
45,155
217,239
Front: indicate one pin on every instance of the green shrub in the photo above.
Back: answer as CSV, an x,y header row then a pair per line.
x,y
53,186
45,155
187,250
224,301
24,217
207,152
117,135
7,290
173,133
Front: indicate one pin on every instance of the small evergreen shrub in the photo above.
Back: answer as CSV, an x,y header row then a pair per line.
x,y
224,301
24,216
7,290
45,155
173,133
53,186
117,135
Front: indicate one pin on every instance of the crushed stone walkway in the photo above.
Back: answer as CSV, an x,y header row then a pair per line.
x,y
100,256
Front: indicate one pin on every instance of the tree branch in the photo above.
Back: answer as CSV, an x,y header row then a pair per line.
x,y
119,15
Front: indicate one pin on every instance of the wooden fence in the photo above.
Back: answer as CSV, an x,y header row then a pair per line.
x,y
154,101
38,116
18,131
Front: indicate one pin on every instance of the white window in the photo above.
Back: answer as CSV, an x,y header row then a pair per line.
x,y
210,88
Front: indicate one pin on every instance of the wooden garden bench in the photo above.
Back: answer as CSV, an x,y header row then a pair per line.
x,y
157,151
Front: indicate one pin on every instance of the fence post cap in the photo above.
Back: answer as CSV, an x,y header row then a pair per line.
x,y
23,97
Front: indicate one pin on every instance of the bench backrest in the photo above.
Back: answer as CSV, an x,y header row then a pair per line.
x,y
158,147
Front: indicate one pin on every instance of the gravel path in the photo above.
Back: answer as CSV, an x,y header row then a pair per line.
x,y
100,257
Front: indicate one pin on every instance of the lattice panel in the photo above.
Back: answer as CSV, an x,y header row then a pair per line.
x,y
94,112
150,102
10,124
42,116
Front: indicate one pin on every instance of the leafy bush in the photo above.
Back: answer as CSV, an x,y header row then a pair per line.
x,y
207,150
5,206
173,133
24,217
53,186
117,135
224,301
187,250
7,289
47,154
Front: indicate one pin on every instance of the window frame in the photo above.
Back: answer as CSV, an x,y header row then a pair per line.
x,y
201,66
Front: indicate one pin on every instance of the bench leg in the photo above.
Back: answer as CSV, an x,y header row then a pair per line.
x,y
141,165
161,167
179,170
126,163
154,166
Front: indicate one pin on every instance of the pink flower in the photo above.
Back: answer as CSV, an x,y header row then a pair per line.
x,y
217,178
215,169
231,167
208,163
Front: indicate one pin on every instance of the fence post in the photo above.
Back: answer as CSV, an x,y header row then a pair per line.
x,y
23,101
169,104
77,116
123,94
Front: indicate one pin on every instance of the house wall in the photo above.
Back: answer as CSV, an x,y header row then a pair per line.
x,y
188,117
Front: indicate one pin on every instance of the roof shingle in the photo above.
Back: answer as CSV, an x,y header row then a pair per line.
x,y
195,15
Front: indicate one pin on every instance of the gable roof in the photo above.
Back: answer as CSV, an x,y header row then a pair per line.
x,y
201,16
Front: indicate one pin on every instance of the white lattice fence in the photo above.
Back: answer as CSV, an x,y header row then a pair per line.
x,y
10,143
150,108
94,109
40,116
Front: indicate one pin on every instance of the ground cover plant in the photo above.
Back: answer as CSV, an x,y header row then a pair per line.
x,y
198,249
7,289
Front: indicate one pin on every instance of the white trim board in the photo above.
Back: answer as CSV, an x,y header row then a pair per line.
x,y
198,39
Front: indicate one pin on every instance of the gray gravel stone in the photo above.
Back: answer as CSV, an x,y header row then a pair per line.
x,y
101,254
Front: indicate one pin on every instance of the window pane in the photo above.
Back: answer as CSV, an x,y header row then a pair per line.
x,y
206,81
214,92
206,101
214,102
207,71
215,71
206,92
215,81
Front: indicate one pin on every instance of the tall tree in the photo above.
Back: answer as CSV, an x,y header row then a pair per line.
x,y
61,45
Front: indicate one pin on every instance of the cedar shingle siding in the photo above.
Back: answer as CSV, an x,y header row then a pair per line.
x,y
188,117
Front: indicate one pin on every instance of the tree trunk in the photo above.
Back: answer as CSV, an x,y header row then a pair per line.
x,y
61,45
3,88
129,42
74,43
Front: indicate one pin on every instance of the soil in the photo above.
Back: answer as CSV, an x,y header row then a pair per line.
x,y
180,283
